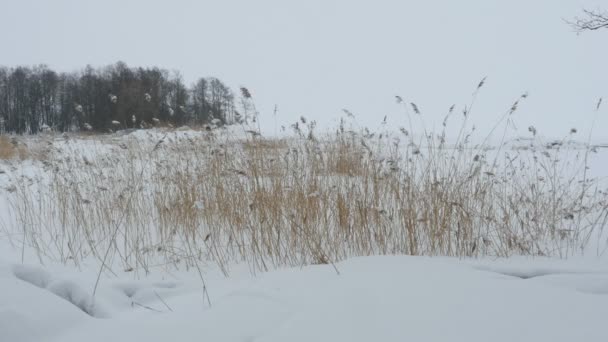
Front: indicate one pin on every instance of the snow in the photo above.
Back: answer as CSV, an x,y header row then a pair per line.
x,y
370,53
388,298
392,298
28,313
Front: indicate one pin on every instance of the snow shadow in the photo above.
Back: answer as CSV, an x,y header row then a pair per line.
x,y
525,273
593,282
66,289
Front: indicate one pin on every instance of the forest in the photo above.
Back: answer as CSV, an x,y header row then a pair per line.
x,y
36,99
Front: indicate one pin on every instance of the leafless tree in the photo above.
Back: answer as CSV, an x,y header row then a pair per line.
x,y
591,20
33,99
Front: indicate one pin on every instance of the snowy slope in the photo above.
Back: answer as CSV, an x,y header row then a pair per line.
x,y
375,298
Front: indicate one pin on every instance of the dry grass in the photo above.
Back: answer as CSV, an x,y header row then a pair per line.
x,y
265,144
6,148
311,199
10,148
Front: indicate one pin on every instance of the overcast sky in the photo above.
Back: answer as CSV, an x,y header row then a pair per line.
x,y
315,57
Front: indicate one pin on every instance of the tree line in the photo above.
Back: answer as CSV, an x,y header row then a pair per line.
x,y
33,99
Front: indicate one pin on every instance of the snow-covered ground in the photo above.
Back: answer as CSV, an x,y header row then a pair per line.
x,y
371,299
381,298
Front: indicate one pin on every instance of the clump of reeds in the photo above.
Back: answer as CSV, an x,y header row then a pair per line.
x,y
316,198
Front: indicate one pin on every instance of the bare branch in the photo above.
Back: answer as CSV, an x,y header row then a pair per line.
x,y
591,21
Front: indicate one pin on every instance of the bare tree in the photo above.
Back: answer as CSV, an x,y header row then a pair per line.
x,y
590,21
93,99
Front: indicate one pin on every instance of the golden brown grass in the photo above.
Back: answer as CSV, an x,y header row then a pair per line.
x,y
10,148
313,199
6,149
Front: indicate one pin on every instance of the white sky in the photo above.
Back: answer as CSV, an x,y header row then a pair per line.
x,y
315,57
